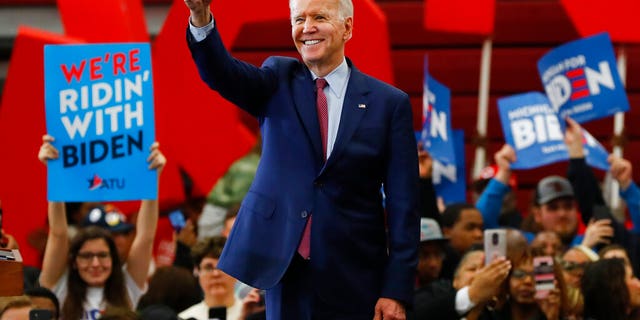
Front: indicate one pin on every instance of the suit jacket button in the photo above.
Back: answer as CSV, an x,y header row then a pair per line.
x,y
304,214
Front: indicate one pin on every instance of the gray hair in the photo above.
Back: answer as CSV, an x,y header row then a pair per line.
x,y
345,8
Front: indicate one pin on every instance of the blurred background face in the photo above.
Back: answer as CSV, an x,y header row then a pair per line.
x,y
633,286
467,269
123,241
558,216
618,253
573,264
522,283
94,262
430,259
547,243
466,232
215,283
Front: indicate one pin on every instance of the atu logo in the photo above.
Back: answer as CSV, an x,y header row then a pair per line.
x,y
579,83
108,183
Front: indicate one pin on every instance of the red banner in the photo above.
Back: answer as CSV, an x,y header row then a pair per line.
x,y
463,16
617,17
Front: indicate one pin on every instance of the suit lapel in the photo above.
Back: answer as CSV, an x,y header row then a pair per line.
x,y
305,103
353,109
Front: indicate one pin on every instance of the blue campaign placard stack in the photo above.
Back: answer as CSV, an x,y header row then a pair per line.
x,y
449,179
436,134
99,108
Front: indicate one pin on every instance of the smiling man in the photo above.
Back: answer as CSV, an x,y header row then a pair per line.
x,y
312,229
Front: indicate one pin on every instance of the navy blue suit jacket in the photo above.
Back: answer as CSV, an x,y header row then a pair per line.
x,y
359,252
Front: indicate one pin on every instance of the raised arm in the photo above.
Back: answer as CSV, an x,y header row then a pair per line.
x,y
622,171
584,182
141,251
55,262
490,201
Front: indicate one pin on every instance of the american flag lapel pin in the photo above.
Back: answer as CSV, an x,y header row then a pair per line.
x,y
362,106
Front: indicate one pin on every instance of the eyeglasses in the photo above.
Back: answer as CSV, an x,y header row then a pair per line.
x,y
207,268
102,256
521,274
571,266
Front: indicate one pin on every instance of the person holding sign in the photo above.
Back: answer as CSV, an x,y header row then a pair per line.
x,y
93,277
332,136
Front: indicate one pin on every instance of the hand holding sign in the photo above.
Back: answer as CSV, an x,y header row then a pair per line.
x,y
47,150
573,139
156,159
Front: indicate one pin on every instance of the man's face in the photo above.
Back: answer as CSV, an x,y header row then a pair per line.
x,y
319,32
559,216
430,260
465,232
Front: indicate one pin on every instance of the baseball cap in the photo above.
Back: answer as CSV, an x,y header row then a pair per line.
x,y
551,188
430,231
109,218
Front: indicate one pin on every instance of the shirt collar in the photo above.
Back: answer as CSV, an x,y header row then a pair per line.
x,y
337,79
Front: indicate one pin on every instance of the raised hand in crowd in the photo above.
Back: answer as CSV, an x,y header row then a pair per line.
x,y
598,232
187,234
573,139
503,158
621,170
488,281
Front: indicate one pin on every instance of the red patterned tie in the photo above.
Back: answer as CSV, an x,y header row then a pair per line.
x,y
304,249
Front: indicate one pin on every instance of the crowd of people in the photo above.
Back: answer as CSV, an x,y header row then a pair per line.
x,y
594,272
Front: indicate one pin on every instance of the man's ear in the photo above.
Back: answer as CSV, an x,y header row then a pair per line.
x,y
348,28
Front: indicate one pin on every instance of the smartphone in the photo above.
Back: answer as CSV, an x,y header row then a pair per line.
x,y
40,314
544,276
218,313
495,244
177,220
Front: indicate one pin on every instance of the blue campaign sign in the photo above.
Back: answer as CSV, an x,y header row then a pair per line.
x,y
99,108
448,179
436,129
595,154
533,129
582,81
